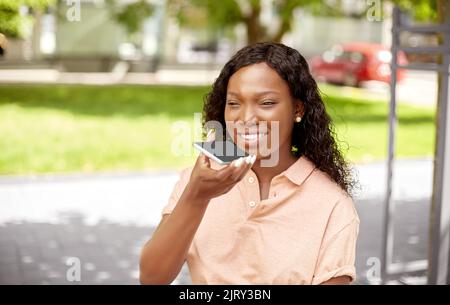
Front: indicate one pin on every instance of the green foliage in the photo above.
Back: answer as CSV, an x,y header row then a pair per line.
x,y
131,15
228,13
422,10
201,13
12,22
211,13
225,14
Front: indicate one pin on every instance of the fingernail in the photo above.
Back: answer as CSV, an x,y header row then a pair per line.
x,y
253,159
238,162
248,159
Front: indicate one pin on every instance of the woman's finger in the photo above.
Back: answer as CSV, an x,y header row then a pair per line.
x,y
240,170
249,161
211,136
202,161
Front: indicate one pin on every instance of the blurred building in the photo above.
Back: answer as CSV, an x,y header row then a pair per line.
x,y
95,42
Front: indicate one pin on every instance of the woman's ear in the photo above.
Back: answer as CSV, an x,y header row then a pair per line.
x,y
299,108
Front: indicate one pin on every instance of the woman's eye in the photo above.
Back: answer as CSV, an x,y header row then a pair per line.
x,y
268,103
232,103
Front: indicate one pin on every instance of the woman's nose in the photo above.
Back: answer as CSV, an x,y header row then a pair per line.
x,y
248,116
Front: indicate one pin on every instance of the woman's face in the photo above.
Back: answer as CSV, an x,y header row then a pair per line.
x,y
260,110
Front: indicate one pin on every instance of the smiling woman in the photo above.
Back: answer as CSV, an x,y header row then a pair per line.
x,y
290,222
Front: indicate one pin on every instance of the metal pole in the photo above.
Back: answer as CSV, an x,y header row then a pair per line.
x,y
388,238
439,255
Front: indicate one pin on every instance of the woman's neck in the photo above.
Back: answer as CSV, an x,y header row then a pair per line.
x,y
266,173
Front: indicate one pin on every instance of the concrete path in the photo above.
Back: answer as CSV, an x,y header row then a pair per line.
x,y
105,219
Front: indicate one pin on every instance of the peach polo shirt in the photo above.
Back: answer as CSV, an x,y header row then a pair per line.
x,y
304,233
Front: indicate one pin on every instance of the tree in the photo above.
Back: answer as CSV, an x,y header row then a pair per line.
x,y
422,10
131,15
17,16
228,13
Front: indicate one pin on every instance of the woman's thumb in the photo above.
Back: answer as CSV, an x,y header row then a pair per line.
x,y
204,161
211,135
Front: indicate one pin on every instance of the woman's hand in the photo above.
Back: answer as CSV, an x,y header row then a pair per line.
x,y
162,258
206,183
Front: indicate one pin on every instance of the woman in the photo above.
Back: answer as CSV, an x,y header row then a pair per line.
x,y
290,222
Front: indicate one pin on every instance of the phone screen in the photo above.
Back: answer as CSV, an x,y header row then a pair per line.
x,y
223,152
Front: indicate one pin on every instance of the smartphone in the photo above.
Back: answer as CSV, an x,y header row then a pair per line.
x,y
223,152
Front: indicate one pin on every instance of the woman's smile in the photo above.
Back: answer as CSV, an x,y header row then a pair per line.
x,y
251,137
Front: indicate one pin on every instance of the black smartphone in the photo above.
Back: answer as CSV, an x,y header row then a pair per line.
x,y
223,152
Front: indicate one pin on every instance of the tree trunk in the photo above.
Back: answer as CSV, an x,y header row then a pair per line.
x,y
284,28
255,31
443,7
35,38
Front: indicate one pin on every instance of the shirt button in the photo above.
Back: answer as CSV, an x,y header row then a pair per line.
x,y
251,180
252,203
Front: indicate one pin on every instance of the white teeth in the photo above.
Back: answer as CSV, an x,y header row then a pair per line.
x,y
252,137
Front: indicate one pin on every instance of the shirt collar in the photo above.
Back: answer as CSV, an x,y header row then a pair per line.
x,y
297,172
300,170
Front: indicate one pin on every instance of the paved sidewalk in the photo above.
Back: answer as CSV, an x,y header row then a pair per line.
x,y
105,219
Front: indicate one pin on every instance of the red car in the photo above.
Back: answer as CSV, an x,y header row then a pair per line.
x,y
350,64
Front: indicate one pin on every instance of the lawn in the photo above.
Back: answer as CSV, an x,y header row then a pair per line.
x,y
61,128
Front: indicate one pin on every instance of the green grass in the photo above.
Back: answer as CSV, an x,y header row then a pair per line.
x,y
62,128
362,124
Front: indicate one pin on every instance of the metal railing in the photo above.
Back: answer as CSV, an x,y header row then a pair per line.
x,y
437,263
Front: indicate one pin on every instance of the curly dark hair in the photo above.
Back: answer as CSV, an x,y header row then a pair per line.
x,y
314,137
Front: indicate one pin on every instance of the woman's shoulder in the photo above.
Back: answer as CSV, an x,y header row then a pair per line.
x,y
319,179
332,194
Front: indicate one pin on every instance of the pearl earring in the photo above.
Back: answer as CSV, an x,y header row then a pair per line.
x,y
298,119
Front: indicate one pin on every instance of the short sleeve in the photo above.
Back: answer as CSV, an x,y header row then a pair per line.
x,y
338,250
177,190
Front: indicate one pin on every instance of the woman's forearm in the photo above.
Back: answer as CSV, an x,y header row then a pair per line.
x,y
163,256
